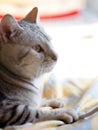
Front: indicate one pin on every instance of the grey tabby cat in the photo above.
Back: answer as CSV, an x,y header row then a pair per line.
x,y
25,54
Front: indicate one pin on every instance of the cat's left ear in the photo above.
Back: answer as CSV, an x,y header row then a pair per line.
x,y
9,27
32,15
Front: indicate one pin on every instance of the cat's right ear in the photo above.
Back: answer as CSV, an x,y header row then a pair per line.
x,y
32,16
9,27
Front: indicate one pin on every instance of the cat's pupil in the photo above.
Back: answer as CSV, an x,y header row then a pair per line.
x,y
37,48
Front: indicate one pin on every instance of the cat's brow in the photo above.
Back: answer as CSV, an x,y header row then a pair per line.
x,y
41,32
36,28
47,38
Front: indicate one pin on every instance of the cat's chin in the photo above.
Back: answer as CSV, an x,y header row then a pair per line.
x,y
49,69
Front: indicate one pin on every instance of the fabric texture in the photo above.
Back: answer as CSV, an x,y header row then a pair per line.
x,y
81,94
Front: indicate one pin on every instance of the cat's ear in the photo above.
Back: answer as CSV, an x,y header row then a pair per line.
x,y
32,15
9,26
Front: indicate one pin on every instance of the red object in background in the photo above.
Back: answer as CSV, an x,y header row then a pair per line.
x,y
63,15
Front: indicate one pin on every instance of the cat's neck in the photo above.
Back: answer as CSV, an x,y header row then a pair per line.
x,y
14,85
7,76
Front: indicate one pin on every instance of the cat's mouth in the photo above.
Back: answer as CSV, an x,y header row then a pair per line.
x,y
51,58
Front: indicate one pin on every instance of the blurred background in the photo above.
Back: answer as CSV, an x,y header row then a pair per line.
x,y
73,26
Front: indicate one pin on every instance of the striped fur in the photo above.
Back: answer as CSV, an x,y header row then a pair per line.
x,y
20,105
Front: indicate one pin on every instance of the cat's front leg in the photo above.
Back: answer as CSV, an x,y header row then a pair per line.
x,y
21,114
54,103
67,116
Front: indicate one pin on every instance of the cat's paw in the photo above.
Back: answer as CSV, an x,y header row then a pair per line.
x,y
60,114
54,103
67,116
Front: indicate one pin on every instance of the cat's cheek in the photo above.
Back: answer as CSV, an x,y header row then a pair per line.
x,y
39,56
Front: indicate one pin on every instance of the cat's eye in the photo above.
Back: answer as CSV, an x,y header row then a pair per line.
x,y
37,48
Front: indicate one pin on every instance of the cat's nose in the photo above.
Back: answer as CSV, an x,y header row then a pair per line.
x,y
54,57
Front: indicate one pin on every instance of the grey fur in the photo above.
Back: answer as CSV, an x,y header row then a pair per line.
x,y
20,65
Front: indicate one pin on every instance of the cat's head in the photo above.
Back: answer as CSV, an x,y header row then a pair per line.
x,y
25,49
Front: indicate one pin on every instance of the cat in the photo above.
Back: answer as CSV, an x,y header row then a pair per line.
x,y
26,53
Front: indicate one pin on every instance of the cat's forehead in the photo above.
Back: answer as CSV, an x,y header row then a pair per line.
x,y
36,29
